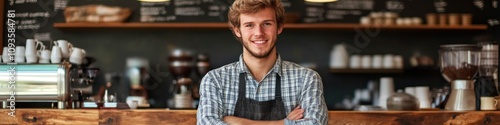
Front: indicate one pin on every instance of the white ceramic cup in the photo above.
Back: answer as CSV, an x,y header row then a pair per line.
x,y
355,62
388,61
55,55
366,61
489,103
65,47
377,61
19,54
423,95
32,47
44,56
31,58
5,55
77,55
386,90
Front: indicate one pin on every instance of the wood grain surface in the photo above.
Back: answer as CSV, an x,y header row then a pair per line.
x,y
188,117
49,116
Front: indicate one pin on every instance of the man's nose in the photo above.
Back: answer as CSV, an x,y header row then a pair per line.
x,y
259,30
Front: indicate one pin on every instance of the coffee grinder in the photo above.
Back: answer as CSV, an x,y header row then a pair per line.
x,y
180,65
459,64
485,82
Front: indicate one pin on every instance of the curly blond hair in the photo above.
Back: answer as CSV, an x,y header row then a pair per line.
x,y
252,6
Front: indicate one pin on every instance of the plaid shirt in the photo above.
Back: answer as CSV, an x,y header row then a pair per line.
x,y
300,86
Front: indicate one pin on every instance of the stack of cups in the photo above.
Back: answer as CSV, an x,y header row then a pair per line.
x,y
386,90
5,55
422,94
32,51
19,54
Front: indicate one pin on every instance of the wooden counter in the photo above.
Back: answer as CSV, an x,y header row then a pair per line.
x,y
188,117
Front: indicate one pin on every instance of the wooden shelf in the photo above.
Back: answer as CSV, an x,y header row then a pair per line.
x,y
332,70
339,26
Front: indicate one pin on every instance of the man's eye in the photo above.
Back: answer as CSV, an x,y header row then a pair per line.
x,y
267,24
249,25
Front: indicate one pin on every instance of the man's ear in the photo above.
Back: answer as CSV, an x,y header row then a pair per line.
x,y
237,32
280,28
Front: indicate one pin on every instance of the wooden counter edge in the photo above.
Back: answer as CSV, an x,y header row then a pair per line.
x,y
188,117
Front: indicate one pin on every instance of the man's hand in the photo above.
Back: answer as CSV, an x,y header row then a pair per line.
x,y
296,114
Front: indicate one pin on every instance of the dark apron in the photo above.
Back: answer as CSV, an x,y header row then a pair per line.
x,y
255,110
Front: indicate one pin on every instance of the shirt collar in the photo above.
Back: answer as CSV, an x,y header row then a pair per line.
x,y
276,68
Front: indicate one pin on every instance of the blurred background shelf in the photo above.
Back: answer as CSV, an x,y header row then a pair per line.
x,y
332,26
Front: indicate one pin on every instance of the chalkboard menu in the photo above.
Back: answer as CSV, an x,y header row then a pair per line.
x,y
34,18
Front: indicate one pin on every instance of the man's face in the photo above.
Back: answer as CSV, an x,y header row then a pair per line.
x,y
258,32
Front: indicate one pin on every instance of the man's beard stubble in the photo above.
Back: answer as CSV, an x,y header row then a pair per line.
x,y
254,54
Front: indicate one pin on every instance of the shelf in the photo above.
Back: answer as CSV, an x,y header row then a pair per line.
x,y
332,70
339,26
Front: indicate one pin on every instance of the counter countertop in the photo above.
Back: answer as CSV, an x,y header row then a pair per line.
x,y
188,117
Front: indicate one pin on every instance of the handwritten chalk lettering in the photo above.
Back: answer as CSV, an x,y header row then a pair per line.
x,y
314,11
214,13
60,4
440,5
157,19
153,10
352,4
208,1
32,21
187,2
189,11
154,3
20,1
395,5
30,26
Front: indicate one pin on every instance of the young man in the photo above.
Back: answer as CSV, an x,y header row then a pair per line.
x,y
260,88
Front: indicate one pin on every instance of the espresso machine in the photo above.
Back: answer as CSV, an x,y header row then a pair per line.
x,y
459,64
81,80
35,83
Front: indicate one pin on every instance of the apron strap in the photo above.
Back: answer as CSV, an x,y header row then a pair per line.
x,y
278,86
242,86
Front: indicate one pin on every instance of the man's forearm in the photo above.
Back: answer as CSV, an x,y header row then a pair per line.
x,y
243,121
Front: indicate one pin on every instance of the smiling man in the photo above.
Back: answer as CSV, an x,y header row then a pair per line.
x,y
260,88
